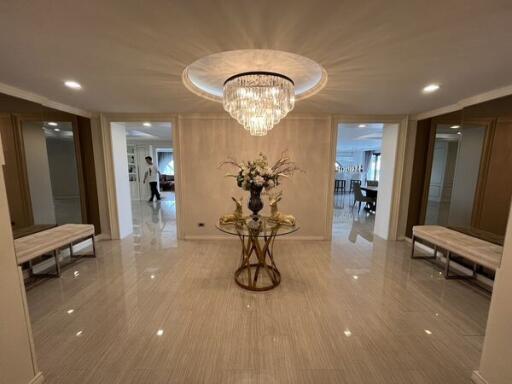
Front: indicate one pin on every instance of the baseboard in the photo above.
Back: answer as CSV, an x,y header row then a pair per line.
x,y
38,379
477,378
102,237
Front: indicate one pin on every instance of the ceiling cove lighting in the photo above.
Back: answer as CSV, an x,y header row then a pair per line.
x,y
72,84
431,88
258,100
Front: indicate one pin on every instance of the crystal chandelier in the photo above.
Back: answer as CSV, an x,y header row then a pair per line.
x,y
258,100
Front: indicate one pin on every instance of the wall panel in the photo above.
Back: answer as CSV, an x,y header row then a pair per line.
x,y
497,190
206,194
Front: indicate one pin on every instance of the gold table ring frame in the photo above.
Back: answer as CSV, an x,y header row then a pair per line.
x,y
257,255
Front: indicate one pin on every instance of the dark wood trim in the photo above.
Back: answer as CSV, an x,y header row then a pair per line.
x,y
427,172
485,157
418,174
21,163
89,172
79,169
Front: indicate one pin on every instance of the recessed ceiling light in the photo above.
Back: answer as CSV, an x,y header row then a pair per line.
x,y
355,277
72,84
52,123
70,311
459,133
160,332
455,127
146,124
430,88
56,129
362,125
347,332
428,332
79,333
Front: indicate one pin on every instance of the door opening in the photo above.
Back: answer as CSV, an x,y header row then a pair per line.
x,y
145,184
363,180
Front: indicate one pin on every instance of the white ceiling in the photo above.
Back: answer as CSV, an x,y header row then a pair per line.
x,y
208,74
156,132
129,56
352,137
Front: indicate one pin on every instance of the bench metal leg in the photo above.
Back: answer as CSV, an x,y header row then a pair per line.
x,y
93,246
93,254
57,264
447,274
44,274
422,257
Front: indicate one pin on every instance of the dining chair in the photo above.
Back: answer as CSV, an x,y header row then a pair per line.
x,y
359,197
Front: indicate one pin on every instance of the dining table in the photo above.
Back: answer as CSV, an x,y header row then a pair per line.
x,y
371,191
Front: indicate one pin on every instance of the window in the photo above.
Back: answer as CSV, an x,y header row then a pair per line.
x,y
165,162
374,168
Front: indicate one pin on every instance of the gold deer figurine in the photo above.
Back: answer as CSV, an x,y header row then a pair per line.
x,y
277,216
234,217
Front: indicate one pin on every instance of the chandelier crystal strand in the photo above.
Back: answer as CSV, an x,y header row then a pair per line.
x,y
258,100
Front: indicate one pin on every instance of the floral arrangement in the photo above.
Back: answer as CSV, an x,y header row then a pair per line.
x,y
259,174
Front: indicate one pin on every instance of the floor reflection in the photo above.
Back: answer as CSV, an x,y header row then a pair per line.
x,y
349,222
155,222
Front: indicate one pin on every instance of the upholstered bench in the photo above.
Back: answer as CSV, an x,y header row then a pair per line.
x,y
478,251
51,241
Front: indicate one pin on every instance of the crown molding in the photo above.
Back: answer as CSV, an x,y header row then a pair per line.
x,y
476,99
44,101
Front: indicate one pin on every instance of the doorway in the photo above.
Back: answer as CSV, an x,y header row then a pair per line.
x,y
143,155
363,180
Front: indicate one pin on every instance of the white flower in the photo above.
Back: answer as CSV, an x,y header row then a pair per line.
x,y
259,181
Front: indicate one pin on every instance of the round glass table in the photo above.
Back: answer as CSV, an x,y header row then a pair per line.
x,y
257,270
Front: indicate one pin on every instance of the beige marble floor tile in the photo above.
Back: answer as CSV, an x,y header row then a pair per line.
x,y
151,309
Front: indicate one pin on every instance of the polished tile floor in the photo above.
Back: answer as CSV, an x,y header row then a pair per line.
x,y
351,222
151,309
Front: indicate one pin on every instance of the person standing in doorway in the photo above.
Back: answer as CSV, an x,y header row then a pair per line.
x,y
151,176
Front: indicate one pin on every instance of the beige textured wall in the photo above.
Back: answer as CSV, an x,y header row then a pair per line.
x,y
407,176
495,367
101,182
16,364
205,194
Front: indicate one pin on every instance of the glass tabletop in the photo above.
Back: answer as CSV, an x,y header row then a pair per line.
x,y
266,227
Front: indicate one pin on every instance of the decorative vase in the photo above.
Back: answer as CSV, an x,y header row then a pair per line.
x,y
255,204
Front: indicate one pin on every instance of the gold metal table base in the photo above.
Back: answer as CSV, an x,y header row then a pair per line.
x,y
251,275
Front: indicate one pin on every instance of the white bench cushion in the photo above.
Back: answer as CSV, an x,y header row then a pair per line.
x,y
38,244
477,250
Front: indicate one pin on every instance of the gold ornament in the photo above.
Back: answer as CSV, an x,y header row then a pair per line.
x,y
234,217
277,216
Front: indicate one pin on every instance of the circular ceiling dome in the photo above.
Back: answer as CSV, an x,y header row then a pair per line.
x,y
206,76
